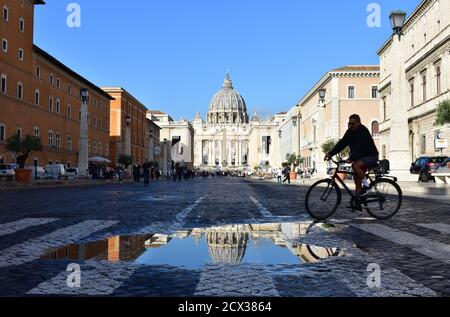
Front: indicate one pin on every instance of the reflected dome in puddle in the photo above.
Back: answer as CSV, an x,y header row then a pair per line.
x,y
269,244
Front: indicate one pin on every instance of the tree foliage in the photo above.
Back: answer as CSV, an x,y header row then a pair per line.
x,y
329,145
443,113
23,147
125,160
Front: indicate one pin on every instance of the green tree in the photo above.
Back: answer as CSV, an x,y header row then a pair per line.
x,y
125,160
329,145
294,159
23,147
443,113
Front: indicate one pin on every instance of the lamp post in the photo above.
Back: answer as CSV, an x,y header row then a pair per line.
x,y
399,153
83,153
294,120
128,135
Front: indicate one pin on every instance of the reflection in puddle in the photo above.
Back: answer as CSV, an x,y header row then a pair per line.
x,y
231,245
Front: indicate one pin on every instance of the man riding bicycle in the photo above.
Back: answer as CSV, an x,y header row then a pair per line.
x,y
364,153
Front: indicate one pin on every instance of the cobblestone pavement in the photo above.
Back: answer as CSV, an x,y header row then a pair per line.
x,y
214,237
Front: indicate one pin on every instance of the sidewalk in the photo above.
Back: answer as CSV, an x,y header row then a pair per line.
x,y
13,185
413,189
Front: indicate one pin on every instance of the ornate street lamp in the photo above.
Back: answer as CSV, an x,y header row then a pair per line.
x,y
322,94
84,95
397,22
128,120
280,133
294,120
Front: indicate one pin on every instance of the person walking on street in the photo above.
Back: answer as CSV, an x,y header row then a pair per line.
x,y
146,170
280,176
136,172
287,174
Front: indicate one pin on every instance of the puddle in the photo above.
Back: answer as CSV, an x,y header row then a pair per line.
x,y
269,244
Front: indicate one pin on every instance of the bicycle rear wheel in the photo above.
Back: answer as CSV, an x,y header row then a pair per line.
x,y
386,199
323,199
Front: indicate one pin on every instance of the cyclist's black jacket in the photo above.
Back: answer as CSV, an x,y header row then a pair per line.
x,y
360,142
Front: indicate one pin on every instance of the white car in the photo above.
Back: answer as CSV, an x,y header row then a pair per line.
x,y
40,172
56,171
7,171
72,173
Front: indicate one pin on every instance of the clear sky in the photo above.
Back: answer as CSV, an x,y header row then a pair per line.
x,y
173,54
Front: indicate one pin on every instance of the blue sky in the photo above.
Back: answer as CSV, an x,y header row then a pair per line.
x,y
173,54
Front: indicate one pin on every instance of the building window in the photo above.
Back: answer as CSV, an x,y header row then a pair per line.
x,y
58,104
5,14
4,82
100,105
374,92
50,104
100,149
69,111
57,140
424,87
438,80
95,122
411,92
21,54
69,89
22,25
36,132
2,132
58,83
375,128
38,72
69,143
19,90
51,79
94,147
5,45
50,139
351,92
19,132
37,97
384,109
423,144
100,123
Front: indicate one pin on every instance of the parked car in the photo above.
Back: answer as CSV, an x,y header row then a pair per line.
x,y
56,171
72,173
444,167
41,174
425,166
7,171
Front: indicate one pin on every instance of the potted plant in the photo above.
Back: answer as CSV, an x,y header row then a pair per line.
x,y
328,146
294,161
24,148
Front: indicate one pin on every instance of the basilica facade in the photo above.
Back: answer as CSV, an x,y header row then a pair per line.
x,y
230,139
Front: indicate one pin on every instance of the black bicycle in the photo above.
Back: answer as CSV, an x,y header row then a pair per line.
x,y
382,202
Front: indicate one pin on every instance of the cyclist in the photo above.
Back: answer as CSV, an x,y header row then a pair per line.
x,y
364,153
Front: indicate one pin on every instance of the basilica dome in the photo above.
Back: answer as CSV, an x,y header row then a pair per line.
x,y
227,106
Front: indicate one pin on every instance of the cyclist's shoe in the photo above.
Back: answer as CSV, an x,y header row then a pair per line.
x,y
365,191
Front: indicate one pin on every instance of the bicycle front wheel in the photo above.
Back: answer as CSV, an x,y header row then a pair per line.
x,y
323,199
386,199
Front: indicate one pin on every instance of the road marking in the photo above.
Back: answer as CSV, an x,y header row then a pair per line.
x,y
179,221
97,279
263,210
440,227
35,248
12,227
430,248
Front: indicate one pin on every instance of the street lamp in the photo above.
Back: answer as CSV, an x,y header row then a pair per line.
x,y
294,120
128,120
322,93
84,95
280,133
397,22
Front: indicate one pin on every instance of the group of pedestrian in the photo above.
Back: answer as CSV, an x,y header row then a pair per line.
x,y
148,170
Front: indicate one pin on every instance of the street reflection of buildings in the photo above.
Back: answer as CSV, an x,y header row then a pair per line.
x,y
118,248
226,244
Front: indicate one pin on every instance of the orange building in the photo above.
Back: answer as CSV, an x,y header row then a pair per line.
x,y
129,129
40,96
